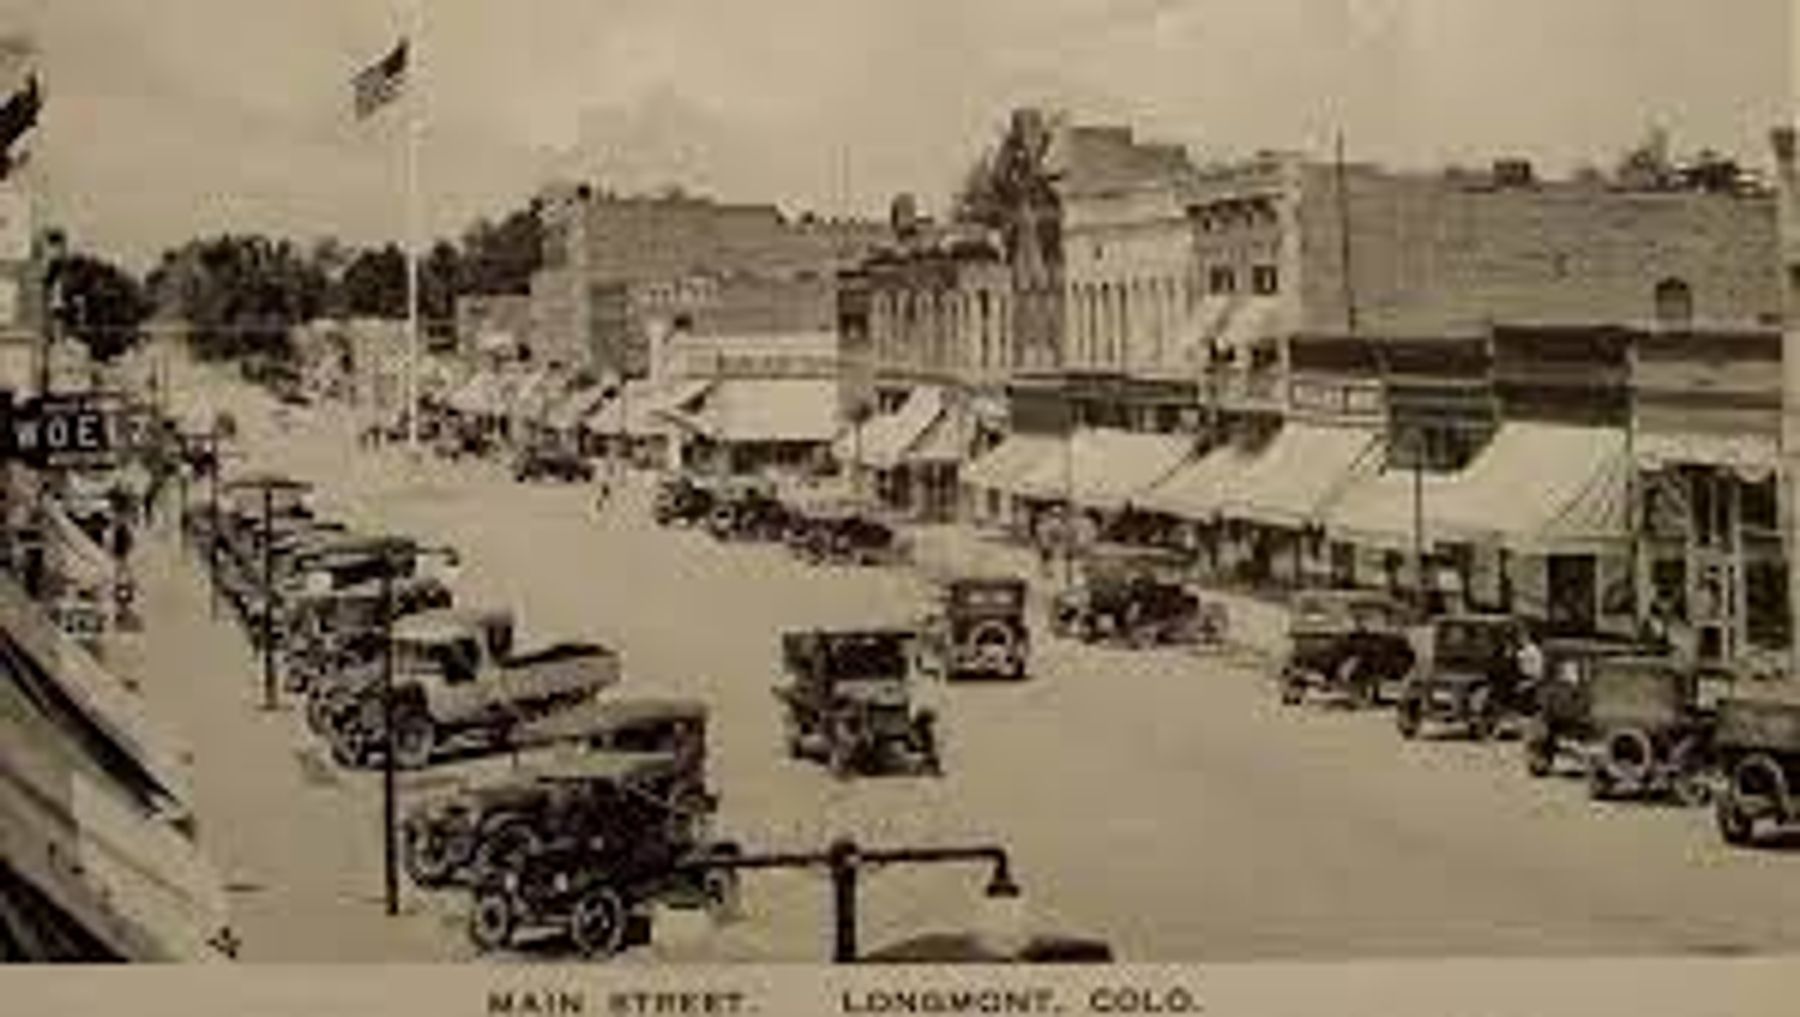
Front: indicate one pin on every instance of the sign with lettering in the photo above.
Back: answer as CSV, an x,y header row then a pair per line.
x,y
71,430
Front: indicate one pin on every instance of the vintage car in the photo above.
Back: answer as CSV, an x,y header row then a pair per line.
x,y
1757,741
1128,594
978,629
333,628
848,701
827,532
1470,676
551,462
684,499
1354,643
457,678
747,508
599,894
1637,724
466,823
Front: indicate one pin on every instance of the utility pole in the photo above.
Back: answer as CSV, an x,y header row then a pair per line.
x,y
1785,140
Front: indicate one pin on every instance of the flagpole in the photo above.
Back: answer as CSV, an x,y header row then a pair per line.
x,y
415,124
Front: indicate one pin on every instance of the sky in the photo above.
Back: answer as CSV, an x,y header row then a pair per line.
x,y
169,119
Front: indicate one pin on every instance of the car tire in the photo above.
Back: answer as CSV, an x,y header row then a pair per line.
x,y
426,853
1293,687
492,919
1409,715
1599,781
597,923
1736,825
1482,715
414,738
1540,750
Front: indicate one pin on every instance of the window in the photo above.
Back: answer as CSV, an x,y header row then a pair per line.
x,y
1221,280
1674,303
1265,279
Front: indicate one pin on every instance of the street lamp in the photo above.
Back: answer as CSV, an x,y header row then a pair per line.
x,y
268,485
845,861
394,553
56,245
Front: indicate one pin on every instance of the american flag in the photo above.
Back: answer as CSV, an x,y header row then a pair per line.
x,y
381,82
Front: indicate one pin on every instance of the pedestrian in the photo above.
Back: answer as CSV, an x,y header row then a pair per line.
x,y
1529,659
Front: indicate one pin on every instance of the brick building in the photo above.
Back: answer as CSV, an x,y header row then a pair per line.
x,y
486,316
612,264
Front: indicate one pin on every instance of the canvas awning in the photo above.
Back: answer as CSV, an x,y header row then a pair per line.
x,y
882,442
575,407
1299,474
1751,456
479,396
748,410
81,561
1002,467
946,440
1538,487
1197,489
531,394
1378,509
1106,469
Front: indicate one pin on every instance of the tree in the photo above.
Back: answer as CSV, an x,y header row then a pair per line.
x,y
502,257
101,305
375,283
1012,190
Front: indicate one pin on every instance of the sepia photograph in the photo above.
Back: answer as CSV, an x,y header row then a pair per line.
x,y
722,483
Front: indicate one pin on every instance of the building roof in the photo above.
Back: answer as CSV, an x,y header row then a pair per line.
x,y
765,410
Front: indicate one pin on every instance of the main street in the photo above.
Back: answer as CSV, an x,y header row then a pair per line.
x,y
1163,800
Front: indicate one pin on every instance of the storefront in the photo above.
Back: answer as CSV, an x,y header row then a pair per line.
x,y
1536,523
748,425
1102,472
1275,506
991,482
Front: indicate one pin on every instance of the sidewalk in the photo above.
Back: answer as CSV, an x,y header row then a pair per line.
x,y
296,840
1257,626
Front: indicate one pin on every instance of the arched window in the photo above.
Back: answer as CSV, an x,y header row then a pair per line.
x,y
1674,303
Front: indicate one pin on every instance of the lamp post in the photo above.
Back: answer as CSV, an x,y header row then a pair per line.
x,y
55,248
394,553
845,861
267,486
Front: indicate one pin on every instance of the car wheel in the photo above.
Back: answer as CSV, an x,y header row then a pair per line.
x,y
1736,825
1482,717
427,853
1540,750
1355,680
415,738
597,925
1293,687
1409,715
318,713
492,919
842,754
1599,782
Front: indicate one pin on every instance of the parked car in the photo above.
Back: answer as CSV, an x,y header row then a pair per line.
x,y
1637,723
979,628
599,894
552,462
1562,725
458,678
337,628
467,826
1471,677
747,508
848,701
844,532
1758,745
684,499
1124,594
1353,643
